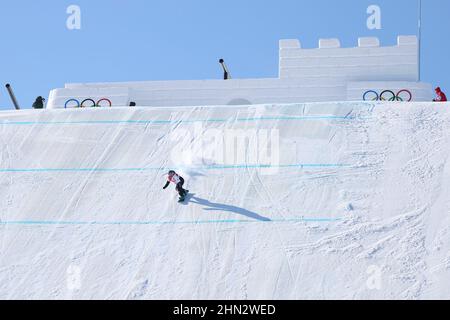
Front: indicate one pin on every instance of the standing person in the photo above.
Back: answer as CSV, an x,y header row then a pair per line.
x,y
441,97
178,181
39,103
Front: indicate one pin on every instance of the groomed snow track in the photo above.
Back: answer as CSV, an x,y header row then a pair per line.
x,y
353,204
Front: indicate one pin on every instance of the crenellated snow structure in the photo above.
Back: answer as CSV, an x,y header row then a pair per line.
x,y
326,73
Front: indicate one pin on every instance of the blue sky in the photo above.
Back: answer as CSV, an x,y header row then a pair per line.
x,y
183,39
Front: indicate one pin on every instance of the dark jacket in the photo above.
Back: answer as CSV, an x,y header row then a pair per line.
x,y
39,103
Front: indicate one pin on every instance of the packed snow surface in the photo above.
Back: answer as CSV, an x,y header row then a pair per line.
x,y
348,201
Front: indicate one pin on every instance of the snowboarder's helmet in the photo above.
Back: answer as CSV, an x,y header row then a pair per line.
x,y
438,89
171,173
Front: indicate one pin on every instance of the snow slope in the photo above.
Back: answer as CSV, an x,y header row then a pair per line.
x,y
352,204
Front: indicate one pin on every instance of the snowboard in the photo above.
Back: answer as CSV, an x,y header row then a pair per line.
x,y
183,198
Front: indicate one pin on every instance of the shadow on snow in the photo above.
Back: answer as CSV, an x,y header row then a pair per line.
x,y
211,206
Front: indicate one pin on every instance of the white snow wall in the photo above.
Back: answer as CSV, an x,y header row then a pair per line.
x,y
367,62
83,214
328,73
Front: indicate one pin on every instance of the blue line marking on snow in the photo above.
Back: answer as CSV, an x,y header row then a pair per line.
x,y
161,122
212,167
143,223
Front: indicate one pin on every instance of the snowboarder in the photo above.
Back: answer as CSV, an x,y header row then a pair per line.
x,y
39,103
178,181
441,97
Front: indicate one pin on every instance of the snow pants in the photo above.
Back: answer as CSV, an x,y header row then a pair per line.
x,y
179,187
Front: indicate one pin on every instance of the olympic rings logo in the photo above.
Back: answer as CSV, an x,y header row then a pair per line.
x,y
82,104
388,95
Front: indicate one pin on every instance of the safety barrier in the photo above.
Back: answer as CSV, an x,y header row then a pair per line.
x,y
82,104
388,95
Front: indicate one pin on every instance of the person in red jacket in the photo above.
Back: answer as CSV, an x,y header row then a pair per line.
x,y
441,97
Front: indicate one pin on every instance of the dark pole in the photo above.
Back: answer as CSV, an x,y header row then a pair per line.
x,y
226,73
420,39
13,97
